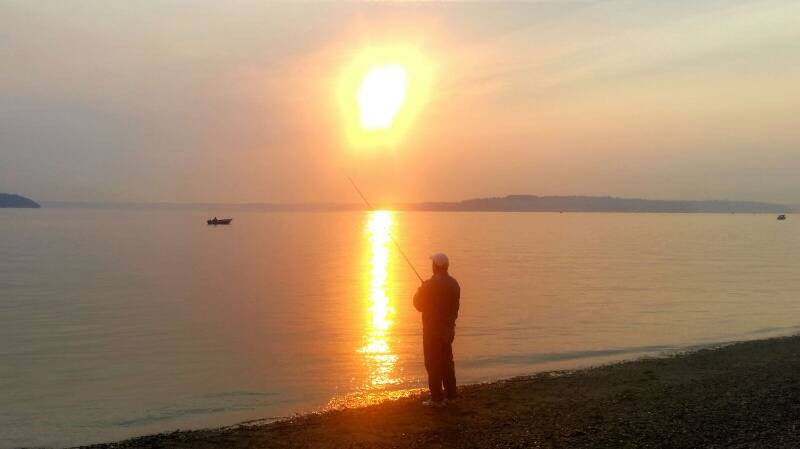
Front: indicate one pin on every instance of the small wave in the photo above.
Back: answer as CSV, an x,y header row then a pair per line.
x,y
533,359
211,403
770,330
166,415
239,394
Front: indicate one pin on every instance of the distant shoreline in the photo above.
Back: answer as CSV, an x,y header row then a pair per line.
x,y
740,395
511,203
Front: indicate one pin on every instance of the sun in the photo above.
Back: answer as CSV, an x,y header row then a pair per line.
x,y
381,95
380,92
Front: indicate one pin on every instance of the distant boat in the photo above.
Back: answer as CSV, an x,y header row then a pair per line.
x,y
781,217
219,221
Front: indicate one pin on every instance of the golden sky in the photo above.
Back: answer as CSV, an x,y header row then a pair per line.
x,y
240,101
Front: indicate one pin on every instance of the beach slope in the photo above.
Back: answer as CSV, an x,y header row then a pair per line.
x,y
745,395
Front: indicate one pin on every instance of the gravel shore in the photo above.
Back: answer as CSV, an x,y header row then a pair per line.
x,y
745,395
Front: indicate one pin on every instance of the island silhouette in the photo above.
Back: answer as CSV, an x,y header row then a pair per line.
x,y
8,200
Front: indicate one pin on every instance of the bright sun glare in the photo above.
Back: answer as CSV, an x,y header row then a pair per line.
x,y
381,95
380,92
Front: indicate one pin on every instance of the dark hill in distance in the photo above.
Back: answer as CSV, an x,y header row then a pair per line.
x,y
11,200
511,203
533,203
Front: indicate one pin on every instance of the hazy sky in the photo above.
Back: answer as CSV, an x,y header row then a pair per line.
x,y
233,101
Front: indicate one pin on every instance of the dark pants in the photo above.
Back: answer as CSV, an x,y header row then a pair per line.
x,y
439,364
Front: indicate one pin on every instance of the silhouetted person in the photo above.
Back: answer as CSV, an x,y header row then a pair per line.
x,y
438,300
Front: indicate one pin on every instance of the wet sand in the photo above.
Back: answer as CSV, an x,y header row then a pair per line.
x,y
745,395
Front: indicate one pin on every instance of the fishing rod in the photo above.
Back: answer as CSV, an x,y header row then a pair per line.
x,y
397,245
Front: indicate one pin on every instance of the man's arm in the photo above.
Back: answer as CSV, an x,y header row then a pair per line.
x,y
419,298
457,300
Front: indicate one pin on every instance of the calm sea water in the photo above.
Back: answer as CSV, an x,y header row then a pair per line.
x,y
115,323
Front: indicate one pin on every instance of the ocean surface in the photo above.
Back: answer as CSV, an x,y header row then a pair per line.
x,y
116,323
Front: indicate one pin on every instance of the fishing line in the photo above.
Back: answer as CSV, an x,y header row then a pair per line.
x,y
397,245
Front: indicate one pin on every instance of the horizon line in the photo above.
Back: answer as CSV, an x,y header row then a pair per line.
x,y
427,203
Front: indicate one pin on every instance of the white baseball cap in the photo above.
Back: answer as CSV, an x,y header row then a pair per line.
x,y
440,260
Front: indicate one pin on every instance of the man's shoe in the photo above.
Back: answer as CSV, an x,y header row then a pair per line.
x,y
434,404
449,401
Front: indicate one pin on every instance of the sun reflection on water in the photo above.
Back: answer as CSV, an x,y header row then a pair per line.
x,y
379,358
382,380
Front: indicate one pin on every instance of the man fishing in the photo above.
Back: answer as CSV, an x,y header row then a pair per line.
x,y
438,300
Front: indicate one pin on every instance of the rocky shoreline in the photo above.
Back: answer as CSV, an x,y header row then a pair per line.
x,y
744,395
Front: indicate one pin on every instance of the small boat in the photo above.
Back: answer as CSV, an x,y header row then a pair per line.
x,y
781,217
219,221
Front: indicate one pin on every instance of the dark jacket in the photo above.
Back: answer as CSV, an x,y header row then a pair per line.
x,y
438,300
